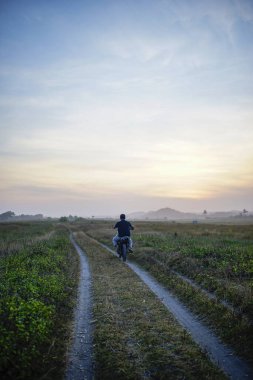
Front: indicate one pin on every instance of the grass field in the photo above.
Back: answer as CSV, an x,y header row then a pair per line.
x,y
134,336
38,278
216,258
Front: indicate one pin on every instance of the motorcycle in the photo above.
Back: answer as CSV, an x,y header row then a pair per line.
x,y
123,246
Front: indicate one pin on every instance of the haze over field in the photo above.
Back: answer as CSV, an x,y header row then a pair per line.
x,y
110,105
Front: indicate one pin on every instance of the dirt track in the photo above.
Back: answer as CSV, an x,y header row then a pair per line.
x,y
81,365
221,355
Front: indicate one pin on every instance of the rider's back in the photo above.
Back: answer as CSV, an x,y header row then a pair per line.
x,y
124,228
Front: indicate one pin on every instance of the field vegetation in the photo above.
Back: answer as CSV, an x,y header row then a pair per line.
x,y
208,266
135,337
38,278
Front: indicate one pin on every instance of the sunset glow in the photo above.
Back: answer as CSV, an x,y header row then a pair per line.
x,y
126,105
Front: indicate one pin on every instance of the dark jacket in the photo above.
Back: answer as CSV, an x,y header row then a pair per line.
x,y
123,227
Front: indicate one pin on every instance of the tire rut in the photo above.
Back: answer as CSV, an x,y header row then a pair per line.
x,y
80,359
219,353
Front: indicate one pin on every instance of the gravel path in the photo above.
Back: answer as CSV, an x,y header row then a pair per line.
x,y
219,353
80,364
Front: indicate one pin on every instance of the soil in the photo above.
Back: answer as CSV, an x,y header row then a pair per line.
x,y
80,359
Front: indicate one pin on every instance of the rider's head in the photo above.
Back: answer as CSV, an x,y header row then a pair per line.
x,y
122,216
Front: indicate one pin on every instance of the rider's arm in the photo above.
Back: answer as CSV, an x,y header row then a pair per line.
x,y
131,227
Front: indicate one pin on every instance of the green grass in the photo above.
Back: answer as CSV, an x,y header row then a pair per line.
x,y
38,285
222,265
14,236
218,258
135,337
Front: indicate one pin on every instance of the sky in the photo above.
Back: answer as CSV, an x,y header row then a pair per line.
x,y
110,106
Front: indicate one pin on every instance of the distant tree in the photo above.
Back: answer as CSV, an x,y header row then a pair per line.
x,y
7,215
204,212
244,211
63,219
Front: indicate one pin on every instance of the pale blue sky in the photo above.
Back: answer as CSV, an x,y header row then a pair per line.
x,y
125,105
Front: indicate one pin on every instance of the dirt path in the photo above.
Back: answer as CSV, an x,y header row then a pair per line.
x,y
81,356
80,363
220,354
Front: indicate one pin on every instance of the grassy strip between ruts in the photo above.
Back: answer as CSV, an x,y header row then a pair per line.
x,y
135,337
38,288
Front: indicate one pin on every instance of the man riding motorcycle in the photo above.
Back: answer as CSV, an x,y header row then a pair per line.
x,y
124,227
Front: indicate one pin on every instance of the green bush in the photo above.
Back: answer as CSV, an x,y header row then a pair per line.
x,y
34,287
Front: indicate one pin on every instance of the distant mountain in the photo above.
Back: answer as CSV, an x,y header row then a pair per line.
x,y
137,215
171,214
162,214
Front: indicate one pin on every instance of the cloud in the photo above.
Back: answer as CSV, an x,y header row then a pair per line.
x,y
161,107
173,168
30,101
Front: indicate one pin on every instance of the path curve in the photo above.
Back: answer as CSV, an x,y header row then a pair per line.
x,y
80,360
219,353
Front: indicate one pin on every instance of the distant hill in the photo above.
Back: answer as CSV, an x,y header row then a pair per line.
x,y
171,214
163,214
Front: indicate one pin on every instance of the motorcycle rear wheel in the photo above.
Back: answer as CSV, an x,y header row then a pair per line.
x,y
124,251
